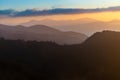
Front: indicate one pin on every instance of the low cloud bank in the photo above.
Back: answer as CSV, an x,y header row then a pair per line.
x,y
33,12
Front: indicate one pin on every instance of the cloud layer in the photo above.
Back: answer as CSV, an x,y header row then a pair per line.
x,y
34,12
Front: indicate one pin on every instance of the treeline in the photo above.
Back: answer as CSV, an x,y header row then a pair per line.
x,y
97,58
32,60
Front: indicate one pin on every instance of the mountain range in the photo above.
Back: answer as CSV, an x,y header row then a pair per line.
x,y
87,26
41,33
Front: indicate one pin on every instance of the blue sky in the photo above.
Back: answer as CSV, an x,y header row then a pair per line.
x,y
46,4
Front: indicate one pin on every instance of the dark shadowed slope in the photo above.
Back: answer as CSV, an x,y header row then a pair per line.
x,y
41,33
102,52
97,58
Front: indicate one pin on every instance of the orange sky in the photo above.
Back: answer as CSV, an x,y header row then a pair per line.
x,y
103,16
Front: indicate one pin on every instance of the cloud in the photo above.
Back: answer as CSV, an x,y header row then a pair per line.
x,y
34,12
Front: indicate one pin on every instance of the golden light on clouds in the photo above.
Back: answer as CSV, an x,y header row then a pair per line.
x,y
103,16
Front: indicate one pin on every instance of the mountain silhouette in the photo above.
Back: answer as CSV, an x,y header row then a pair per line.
x,y
41,33
102,52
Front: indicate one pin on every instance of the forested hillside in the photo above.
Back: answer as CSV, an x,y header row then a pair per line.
x,y
97,58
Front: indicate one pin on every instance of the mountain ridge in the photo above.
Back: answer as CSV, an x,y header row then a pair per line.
x,y
86,25
40,33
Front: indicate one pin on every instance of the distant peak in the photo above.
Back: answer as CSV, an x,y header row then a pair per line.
x,y
38,26
42,27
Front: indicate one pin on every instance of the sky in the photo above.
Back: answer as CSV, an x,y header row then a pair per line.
x,y
48,4
20,11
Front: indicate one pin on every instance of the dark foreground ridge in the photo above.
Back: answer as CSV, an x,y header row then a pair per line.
x,y
97,58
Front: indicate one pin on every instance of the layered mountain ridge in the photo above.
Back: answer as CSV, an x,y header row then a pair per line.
x,y
41,33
